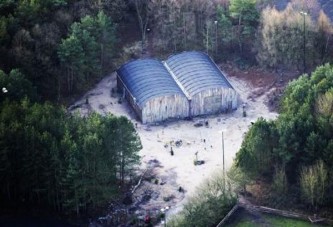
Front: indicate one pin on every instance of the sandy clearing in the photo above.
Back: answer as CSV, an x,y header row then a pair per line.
x,y
179,170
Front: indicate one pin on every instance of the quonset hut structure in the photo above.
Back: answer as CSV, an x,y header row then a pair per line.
x,y
151,91
185,85
207,89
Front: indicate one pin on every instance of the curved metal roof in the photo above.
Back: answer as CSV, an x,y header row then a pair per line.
x,y
196,72
146,79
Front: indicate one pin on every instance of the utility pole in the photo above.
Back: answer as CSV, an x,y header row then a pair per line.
x,y
215,22
223,153
222,132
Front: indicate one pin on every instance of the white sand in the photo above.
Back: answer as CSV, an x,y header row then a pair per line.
x,y
179,170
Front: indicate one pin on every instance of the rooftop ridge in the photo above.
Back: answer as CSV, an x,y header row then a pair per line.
x,y
177,81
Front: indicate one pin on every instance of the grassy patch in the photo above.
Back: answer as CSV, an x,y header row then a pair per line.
x,y
243,218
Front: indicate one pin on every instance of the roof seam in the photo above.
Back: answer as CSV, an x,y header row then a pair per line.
x,y
141,77
177,81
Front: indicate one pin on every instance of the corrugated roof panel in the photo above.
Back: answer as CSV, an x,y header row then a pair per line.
x,y
196,72
146,79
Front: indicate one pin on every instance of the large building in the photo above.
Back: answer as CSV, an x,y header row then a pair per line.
x,y
185,85
207,89
151,91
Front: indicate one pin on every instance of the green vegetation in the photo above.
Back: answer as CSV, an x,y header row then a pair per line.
x,y
17,86
63,47
60,46
288,222
245,219
294,152
85,53
65,162
213,200
245,12
54,50
314,183
216,28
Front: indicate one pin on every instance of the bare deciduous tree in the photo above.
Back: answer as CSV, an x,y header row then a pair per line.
x,y
281,36
314,182
181,25
142,8
325,32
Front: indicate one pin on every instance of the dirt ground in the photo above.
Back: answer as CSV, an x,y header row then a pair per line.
x,y
166,172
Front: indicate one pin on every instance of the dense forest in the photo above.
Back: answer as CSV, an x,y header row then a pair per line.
x,y
64,46
52,51
294,152
66,162
50,158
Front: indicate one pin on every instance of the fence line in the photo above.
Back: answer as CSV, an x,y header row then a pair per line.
x,y
226,218
268,210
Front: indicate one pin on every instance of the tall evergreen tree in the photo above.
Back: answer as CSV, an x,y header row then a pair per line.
x,y
247,16
87,50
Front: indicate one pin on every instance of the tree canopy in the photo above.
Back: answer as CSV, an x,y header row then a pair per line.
x,y
301,136
16,86
246,15
56,49
85,53
66,162
288,38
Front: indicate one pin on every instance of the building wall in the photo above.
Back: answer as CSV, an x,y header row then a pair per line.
x,y
214,100
167,107
128,96
176,106
157,109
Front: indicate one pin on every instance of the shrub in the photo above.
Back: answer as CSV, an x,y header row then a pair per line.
x,y
314,182
280,184
213,200
238,178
